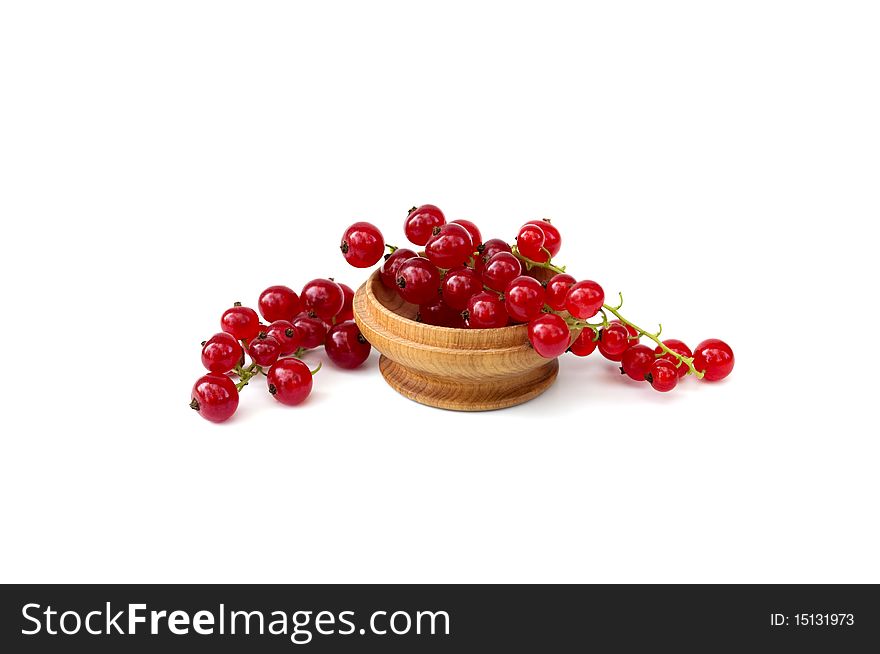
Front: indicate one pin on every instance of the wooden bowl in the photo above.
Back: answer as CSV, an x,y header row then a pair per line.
x,y
459,369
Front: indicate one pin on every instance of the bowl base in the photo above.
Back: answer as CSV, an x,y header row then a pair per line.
x,y
459,395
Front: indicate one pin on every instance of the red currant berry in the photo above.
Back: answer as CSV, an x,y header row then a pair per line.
x,y
323,297
662,376
242,322
524,298
439,314
473,230
418,281
286,334
615,339
636,361
393,261
530,242
221,353
420,223
500,270
311,330
459,286
585,343
488,250
264,350
584,299
485,311
676,346
215,397
714,358
557,290
552,237
290,381
362,245
549,335
347,312
450,246
279,303
346,346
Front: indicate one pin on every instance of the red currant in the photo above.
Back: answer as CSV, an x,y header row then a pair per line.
x,y
286,334
474,231
279,303
450,246
393,261
584,299
530,242
221,353
500,270
215,397
420,223
264,350
311,330
459,286
439,314
242,322
662,376
549,335
346,346
615,339
557,290
552,237
524,298
323,297
362,245
290,381
676,346
485,310
714,358
585,343
636,361
418,280
488,250
347,312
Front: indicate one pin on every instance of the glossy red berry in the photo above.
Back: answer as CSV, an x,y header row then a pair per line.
x,y
393,261
714,358
215,397
473,230
346,346
584,299
311,330
549,335
524,298
279,303
459,286
242,322
530,243
485,310
264,350
500,270
557,290
662,376
323,297
488,250
676,346
450,246
585,343
221,353
418,281
615,339
636,361
420,223
347,311
287,335
362,245
439,314
290,381
552,237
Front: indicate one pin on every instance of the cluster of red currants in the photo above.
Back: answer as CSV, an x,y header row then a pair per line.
x,y
320,315
461,281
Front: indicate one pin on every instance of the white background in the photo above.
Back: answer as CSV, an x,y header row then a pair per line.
x,y
716,162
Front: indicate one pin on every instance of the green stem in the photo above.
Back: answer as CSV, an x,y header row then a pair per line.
x,y
549,265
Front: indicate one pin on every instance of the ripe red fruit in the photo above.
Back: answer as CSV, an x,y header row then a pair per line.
x,y
311,330
500,270
473,230
242,322
420,223
485,310
362,245
459,286
449,246
557,290
347,312
279,303
637,361
264,350
676,346
524,298
488,250
287,335
584,299
714,358
615,339
323,297
585,343
215,397
549,335
393,261
439,314
290,381
221,353
662,376
418,281
346,346
530,242
552,237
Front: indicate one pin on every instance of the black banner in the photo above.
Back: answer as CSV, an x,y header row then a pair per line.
x,y
444,618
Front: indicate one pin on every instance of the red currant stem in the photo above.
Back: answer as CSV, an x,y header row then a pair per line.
x,y
391,248
246,374
315,371
549,265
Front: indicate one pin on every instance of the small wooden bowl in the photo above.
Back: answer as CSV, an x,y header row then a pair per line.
x,y
459,369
